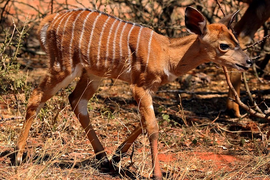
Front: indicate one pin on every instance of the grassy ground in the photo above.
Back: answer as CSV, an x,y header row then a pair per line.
x,y
197,140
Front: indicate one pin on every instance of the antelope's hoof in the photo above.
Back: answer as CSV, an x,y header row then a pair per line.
x,y
116,158
233,113
18,157
103,163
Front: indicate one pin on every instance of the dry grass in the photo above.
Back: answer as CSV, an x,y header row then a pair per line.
x,y
58,149
197,141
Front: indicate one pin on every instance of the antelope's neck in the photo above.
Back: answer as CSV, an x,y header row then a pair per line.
x,y
185,54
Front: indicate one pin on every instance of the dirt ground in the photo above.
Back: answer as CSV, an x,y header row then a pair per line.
x,y
197,139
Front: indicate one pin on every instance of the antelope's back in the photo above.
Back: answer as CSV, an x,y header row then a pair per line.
x,y
96,38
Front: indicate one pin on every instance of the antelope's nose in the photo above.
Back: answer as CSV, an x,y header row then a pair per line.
x,y
249,62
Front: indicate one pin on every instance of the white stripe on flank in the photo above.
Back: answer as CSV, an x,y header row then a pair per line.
x,y
100,40
120,43
55,20
129,51
108,42
63,32
72,35
82,33
64,16
138,40
149,49
90,40
114,41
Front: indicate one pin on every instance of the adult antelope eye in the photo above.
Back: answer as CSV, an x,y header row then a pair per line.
x,y
224,46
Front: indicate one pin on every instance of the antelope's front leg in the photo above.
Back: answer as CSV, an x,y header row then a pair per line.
x,y
148,119
233,107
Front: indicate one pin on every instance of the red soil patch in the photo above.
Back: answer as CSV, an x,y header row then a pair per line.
x,y
220,161
167,157
202,161
216,157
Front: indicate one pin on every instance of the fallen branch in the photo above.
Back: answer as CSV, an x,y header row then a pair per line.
x,y
240,103
250,95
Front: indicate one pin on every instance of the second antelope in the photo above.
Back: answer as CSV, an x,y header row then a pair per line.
x,y
254,17
91,45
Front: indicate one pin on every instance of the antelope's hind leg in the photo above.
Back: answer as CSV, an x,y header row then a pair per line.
x,y
52,83
78,99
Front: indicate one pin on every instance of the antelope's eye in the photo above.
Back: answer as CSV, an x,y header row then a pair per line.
x,y
224,47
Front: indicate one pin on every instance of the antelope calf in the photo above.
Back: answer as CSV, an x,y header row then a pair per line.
x,y
90,44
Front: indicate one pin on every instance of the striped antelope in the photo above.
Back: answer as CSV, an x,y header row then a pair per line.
x,y
91,45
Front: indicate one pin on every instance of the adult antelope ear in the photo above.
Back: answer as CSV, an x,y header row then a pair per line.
x,y
228,20
195,21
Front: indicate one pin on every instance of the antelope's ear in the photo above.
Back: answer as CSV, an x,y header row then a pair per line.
x,y
195,21
228,20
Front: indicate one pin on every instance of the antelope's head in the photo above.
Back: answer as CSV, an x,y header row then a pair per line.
x,y
218,39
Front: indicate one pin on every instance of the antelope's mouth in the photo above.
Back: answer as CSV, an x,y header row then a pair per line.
x,y
241,67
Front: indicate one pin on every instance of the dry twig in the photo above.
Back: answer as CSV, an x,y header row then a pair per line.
x,y
257,42
241,104
250,95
